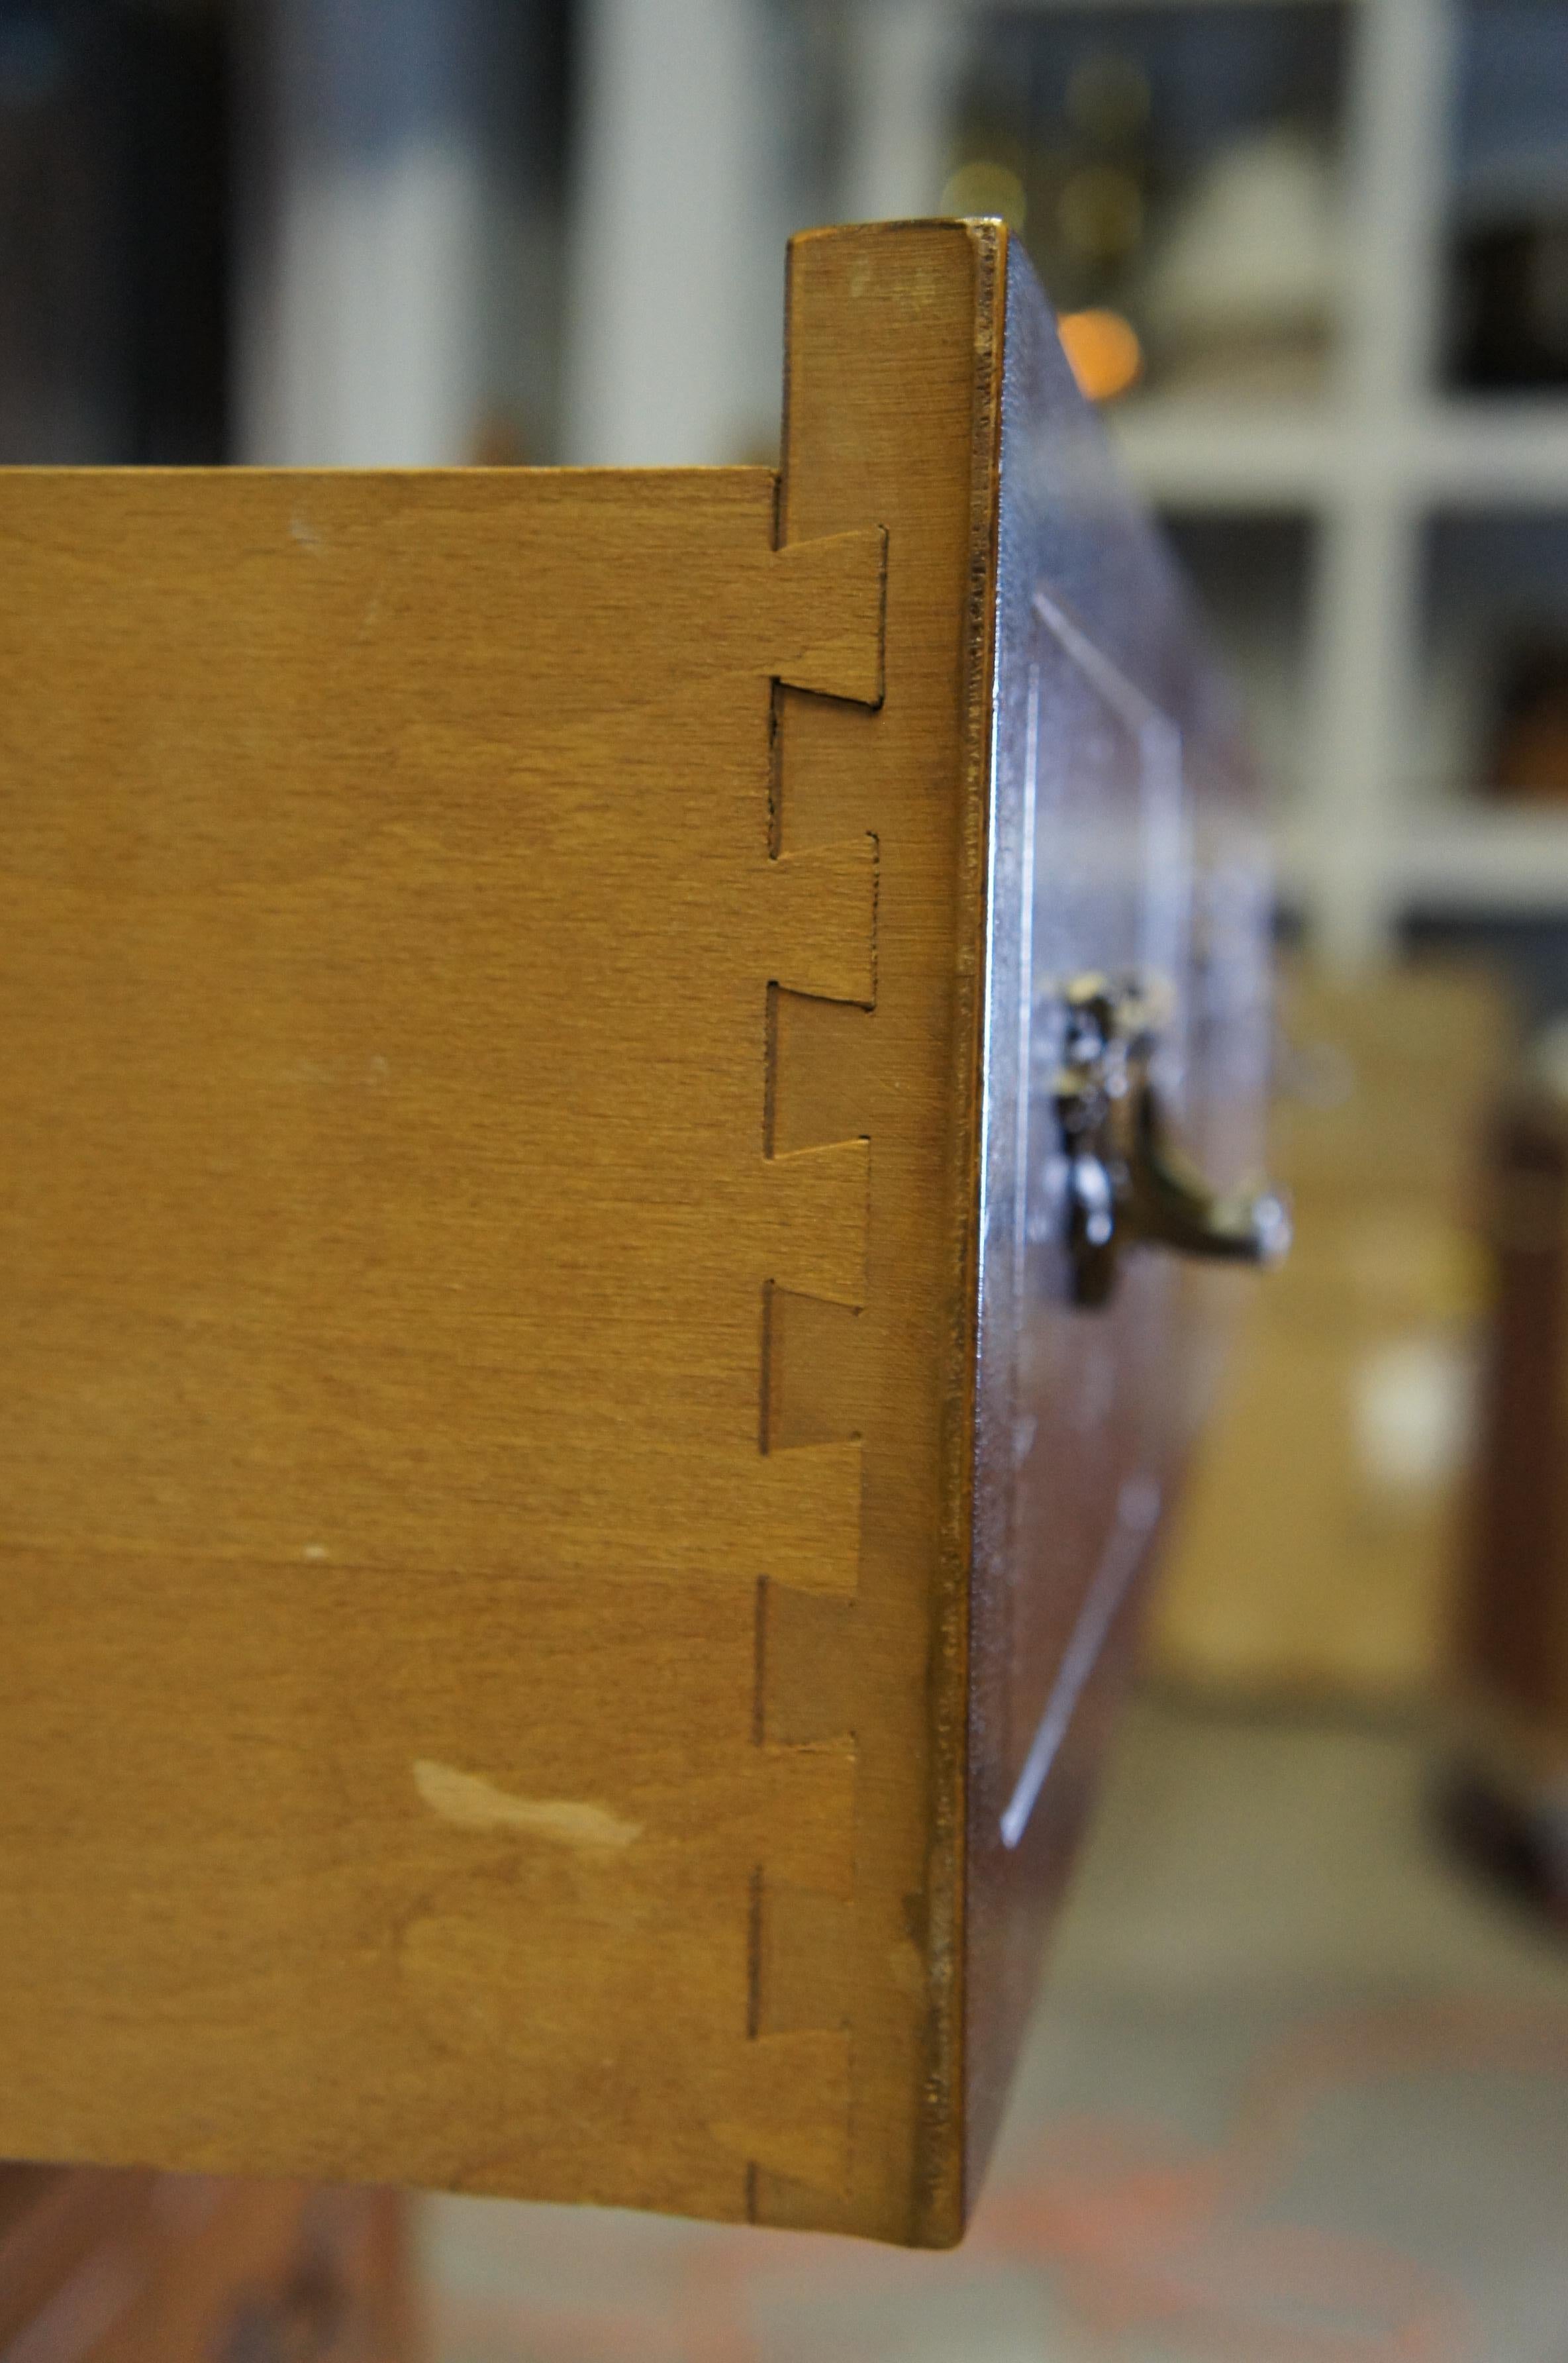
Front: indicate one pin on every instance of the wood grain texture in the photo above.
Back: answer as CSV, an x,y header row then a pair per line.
x,y
480,1693
890,415
388,922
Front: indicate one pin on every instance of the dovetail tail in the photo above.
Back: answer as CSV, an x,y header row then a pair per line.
x,y
759,1667
754,1957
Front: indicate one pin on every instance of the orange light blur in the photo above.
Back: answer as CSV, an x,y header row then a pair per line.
x,y
1102,351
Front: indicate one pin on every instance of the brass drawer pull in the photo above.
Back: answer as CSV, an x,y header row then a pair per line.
x,y
1121,1181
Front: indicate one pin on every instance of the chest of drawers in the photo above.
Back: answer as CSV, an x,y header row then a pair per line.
x,y
586,1376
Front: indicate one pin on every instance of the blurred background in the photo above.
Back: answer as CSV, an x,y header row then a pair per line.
x,y
1299,2086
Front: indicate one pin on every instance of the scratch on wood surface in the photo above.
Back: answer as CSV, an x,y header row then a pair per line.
x,y
475,1804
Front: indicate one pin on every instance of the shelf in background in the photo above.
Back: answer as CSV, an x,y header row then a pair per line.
x,y
1459,454
1496,859
1382,560
1502,857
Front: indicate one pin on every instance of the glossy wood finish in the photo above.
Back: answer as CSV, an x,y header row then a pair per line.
x,y
1121,840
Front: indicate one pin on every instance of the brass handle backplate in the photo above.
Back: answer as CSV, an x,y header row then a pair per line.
x,y
1123,1180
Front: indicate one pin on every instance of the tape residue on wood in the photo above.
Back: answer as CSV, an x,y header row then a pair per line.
x,y
476,1804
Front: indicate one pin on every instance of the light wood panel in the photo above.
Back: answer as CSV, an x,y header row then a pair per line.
x,y
892,415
